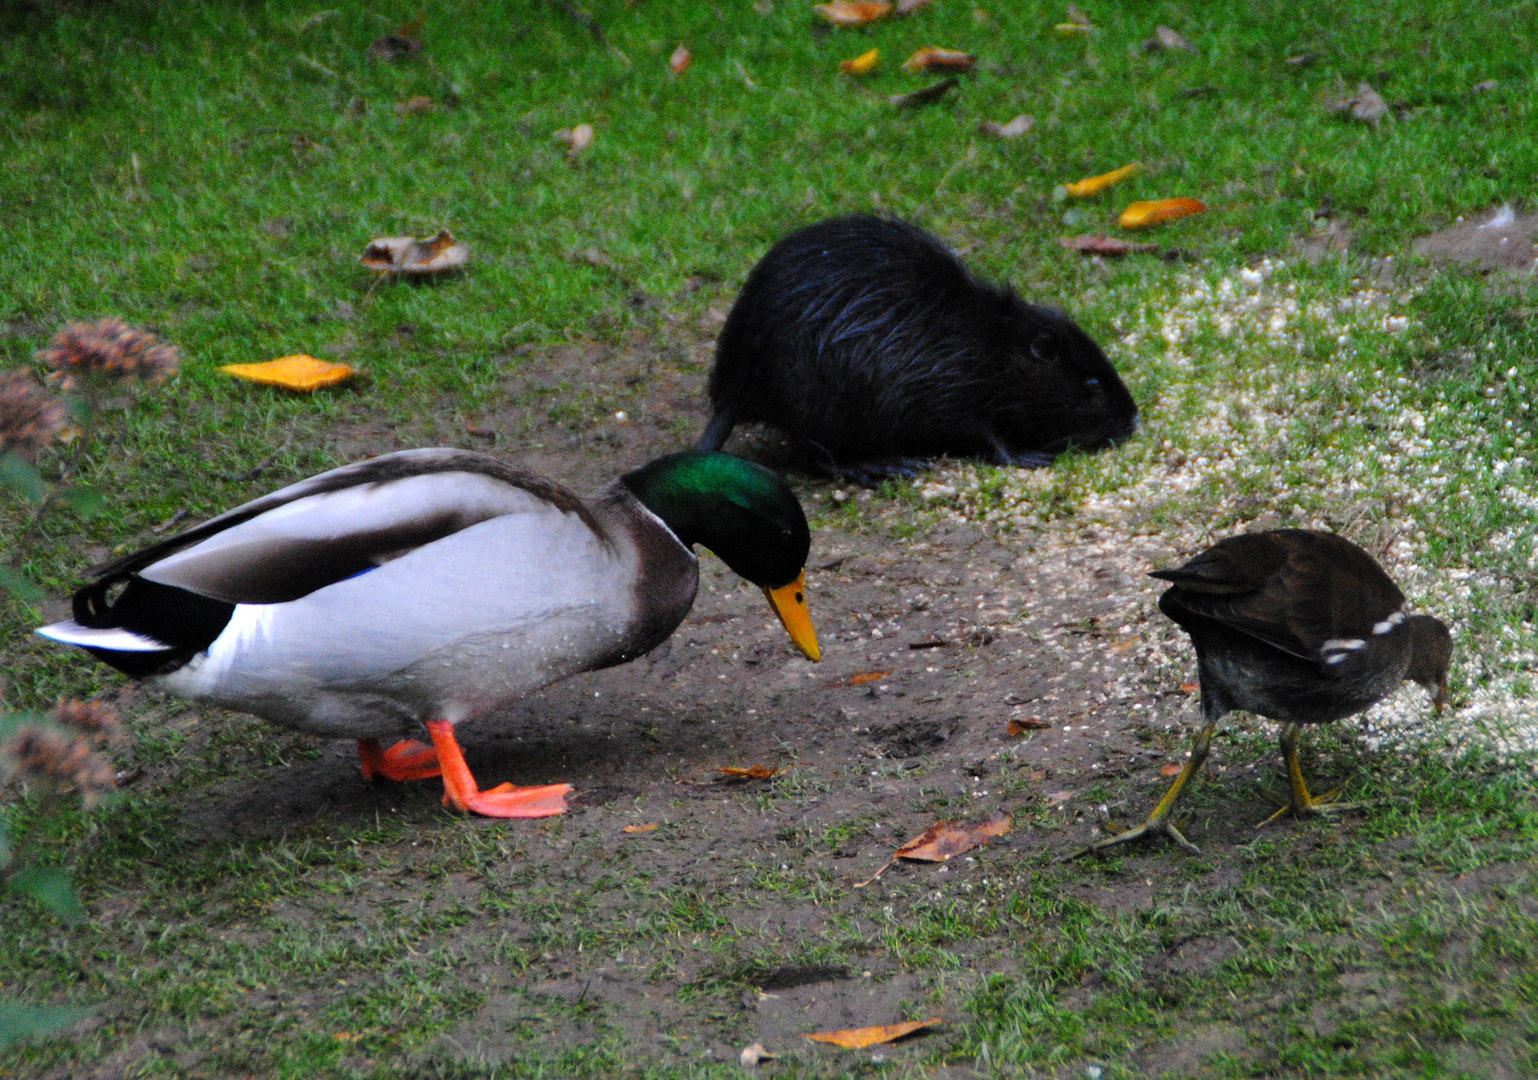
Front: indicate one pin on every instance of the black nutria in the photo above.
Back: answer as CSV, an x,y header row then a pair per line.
x,y
868,342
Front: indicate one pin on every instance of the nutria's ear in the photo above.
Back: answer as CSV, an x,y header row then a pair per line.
x,y
1044,346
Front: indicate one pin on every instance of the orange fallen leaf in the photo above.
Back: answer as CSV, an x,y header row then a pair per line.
x,y
1094,185
297,372
1090,244
1012,130
854,12
642,828
405,255
860,678
752,772
1140,215
859,1038
679,61
863,64
1170,769
932,58
1029,723
1189,688
414,105
946,838
577,139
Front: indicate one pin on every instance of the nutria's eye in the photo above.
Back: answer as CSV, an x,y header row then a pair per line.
x,y
1092,384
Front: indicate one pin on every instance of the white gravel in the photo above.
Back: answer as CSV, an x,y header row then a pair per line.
x,y
1264,407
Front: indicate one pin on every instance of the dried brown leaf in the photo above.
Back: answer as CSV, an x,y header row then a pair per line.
x,y
678,63
1093,244
934,58
394,47
946,838
859,1038
926,95
1168,39
405,255
415,105
648,827
1368,106
860,678
752,1055
577,139
1012,130
1170,769
1028,723
752,772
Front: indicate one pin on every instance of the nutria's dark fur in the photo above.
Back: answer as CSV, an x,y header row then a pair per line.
x,y
868,342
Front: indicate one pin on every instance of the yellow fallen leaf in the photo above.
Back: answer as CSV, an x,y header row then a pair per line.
x,y
297,372
859,1038
863,64
1140,215
853,12
1094,185
642,828
932,58
1069,29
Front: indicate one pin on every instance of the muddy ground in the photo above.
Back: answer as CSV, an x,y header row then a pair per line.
x,y
932,645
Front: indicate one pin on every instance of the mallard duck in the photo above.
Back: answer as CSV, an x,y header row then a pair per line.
x,y
1300,627
425,587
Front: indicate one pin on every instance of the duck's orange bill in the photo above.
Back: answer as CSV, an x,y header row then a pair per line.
x,y
789,603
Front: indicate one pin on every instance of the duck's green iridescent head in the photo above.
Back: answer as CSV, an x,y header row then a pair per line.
x,y
744,513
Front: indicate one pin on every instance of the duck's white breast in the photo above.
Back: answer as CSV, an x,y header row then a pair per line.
x,y
451,629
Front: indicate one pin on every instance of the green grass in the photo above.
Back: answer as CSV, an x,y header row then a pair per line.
x,y
213,171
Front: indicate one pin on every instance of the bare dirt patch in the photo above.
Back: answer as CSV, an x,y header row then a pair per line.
x,y
737,913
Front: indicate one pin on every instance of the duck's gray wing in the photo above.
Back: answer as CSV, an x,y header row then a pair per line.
x,y
338,524
1312,595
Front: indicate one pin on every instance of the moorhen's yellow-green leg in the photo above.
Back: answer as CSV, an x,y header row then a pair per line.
x,y
1159,820
1299,801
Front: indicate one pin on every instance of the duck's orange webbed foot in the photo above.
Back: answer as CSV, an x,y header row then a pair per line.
x,y
406,760
504,801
